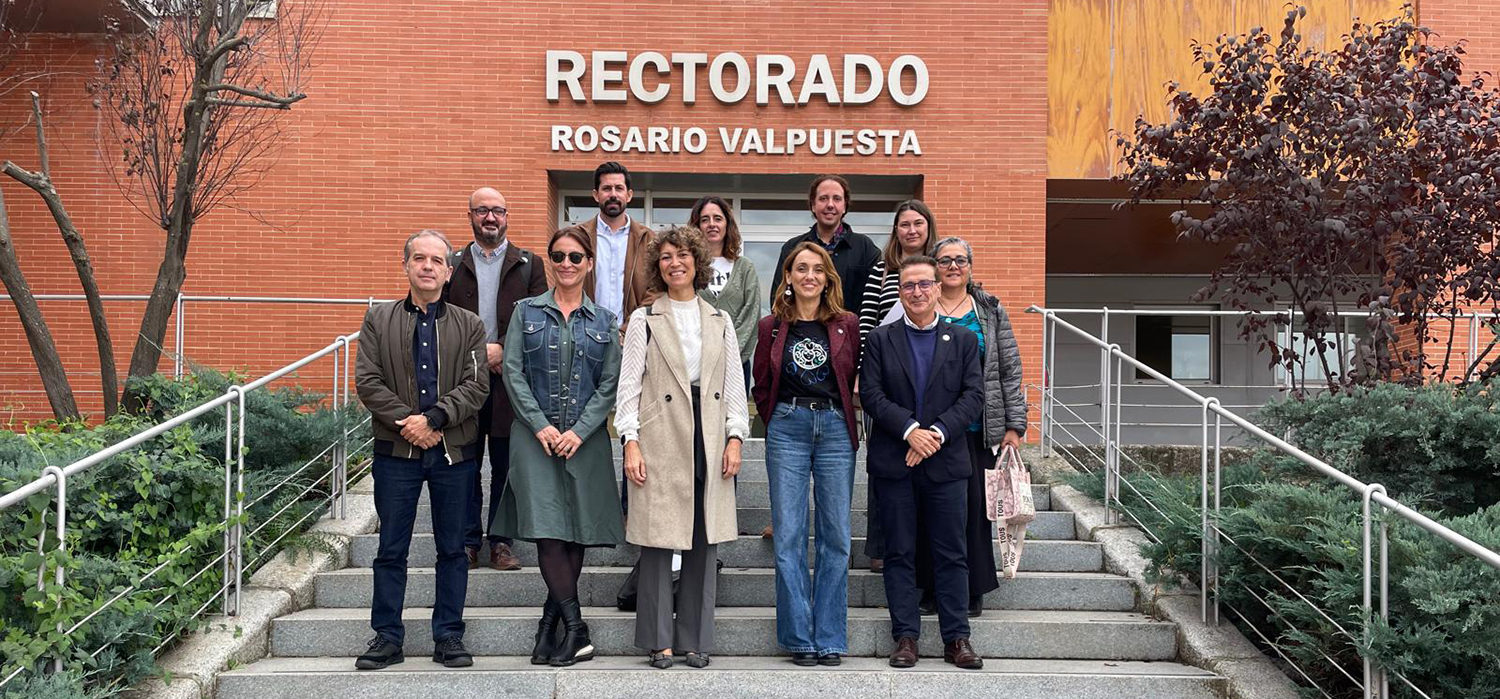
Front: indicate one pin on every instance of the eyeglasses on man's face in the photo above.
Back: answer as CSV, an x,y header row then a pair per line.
x,y
918,285
557,256
482,211
953,261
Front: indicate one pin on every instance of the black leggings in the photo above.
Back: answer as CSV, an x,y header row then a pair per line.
x,y
561,563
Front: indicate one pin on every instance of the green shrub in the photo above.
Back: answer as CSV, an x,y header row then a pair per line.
x,y
160,505
1436,446
1282,518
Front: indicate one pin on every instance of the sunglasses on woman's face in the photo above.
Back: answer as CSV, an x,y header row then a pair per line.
x,y
558,256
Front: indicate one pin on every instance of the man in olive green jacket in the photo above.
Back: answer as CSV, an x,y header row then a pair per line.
x,y
422,374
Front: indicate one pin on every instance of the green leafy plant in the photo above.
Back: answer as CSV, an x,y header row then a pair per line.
x,y
1291,562
145,532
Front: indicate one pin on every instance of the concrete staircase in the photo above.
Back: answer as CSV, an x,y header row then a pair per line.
x,y
1062,628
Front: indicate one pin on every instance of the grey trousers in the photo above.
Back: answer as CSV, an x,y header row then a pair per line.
x,y
693,628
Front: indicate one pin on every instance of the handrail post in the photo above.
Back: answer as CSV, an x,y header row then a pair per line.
x,y
1218,490
1104,434
228,500
235,507
239,517
1203,515
334,485
1051,379
1473,346
1118,422
349,357
1373,675
1046,367
62,541
181,345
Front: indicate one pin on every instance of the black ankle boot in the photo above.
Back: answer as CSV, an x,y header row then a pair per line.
x,y
576,646
546,634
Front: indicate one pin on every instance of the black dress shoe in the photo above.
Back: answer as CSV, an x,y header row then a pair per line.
x,y
928,606
805,659
976,606
831,660
451,653
382,653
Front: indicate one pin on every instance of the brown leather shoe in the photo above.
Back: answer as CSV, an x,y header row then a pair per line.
x,y
877,565
767,532
502,559
473,553
962,654
905,654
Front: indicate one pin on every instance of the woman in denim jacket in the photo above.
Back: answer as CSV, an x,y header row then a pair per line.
x,y
562,365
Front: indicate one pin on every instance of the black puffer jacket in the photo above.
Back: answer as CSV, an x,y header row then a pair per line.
x,y
1004,402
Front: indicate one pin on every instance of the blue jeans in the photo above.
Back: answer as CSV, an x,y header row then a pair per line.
x,y
812,614
398,485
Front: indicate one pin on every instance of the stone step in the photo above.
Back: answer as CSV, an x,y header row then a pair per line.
x,y
748,632
738,587
1048,525
728,677
751,493
750,551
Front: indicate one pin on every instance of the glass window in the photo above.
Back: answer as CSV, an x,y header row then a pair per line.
x,y
775,212
577,209
866,216
1181,347
764,255
671,211
1339,351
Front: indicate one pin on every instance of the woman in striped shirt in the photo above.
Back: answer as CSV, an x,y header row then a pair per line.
x,y
913,234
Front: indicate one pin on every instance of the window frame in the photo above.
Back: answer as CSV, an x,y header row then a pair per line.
x,y
1215,353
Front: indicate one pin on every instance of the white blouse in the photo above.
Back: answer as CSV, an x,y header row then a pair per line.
x,y
633,367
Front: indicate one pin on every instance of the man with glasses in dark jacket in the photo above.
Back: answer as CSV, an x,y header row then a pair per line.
x,y
489,276
422,374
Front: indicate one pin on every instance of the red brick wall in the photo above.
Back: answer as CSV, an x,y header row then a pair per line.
x,y
414,104
1473,23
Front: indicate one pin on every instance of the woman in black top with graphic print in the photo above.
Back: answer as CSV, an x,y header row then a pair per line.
x,y
804,380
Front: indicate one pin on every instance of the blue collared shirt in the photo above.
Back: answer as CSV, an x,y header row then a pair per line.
x,y
613,245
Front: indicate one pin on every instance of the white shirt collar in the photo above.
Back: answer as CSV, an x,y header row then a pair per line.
x,y
603,228
929,326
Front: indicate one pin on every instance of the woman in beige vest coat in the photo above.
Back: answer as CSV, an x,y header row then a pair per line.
x,y
682,415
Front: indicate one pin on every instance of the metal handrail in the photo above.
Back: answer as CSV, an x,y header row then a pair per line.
x,y
233,404
179,310
1112,360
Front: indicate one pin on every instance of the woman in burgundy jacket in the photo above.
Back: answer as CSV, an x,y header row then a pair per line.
x,y
804,369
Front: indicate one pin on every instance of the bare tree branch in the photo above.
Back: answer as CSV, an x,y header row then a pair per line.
x,y
258,94
41,183
217,102
38,335
193,108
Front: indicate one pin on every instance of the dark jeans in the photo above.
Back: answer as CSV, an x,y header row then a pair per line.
x,y
398,485
474,531
906,505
